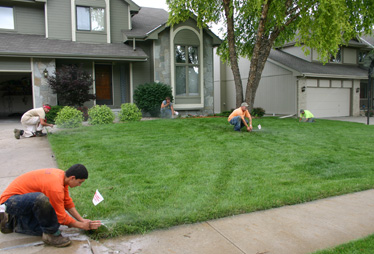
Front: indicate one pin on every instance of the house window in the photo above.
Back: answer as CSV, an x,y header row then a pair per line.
x,y
187,70
7,19
90,18
337,58
362,55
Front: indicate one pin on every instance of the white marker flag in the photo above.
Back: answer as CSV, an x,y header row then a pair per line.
x,y
97,198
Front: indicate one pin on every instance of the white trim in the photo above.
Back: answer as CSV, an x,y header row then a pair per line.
x,y
73,21
131,85
154,61
201,60
172,61
24,71
46,19
129,15
188,106
107,7
94,80
201,66
32,81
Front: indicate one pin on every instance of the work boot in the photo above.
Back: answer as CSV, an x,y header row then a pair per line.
x,y
18,133
57,241
39,134
5,229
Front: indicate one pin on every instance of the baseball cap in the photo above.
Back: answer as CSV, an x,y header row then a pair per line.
x,y
301,110
244,104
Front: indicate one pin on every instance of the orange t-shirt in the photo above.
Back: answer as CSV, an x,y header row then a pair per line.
x,y
238,112
50,182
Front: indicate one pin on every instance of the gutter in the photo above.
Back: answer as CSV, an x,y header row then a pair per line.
x,y
38,55
334,76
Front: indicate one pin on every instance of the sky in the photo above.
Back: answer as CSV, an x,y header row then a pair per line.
x,y
162,4
152,3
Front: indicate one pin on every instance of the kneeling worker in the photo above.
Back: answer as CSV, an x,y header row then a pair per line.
x,y
306,116
36,204
237,118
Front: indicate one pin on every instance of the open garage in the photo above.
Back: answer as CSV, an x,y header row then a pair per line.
x,y
15,93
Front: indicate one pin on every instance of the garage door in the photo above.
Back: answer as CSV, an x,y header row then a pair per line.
x,y
328,102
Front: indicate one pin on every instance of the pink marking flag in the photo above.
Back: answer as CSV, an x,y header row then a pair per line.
x,y
97,198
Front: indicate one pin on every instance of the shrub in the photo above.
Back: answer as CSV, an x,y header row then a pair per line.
x,y
224,113
148,97
129,112
84,110
371,113
72,84
52,114
69,117
100,115
258,112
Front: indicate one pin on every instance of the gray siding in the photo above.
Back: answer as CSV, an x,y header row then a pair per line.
x,y
116,84
59,20
187,37
277,91
30,19
118,20
190,23
91,37
15,64
142,71
97,3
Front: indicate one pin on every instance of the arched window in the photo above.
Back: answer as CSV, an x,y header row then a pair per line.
x,y
187,67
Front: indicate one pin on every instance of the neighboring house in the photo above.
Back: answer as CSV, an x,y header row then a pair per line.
x,y
121,44
292,81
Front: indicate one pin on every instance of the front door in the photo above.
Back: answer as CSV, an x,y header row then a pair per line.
x,y
103,84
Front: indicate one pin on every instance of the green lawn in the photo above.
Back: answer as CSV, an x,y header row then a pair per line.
x,y
361,246
160,173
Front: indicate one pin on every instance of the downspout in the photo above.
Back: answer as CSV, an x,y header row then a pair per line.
x,y
46,19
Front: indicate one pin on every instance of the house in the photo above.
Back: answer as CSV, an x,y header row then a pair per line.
x,y
292,81
119,43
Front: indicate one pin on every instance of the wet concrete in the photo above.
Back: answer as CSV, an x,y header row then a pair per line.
x,y
295,229
19,156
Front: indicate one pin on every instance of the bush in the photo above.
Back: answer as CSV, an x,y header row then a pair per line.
x,y
371,113
224,113
52,114
100,115
84,110
69,117
148,97
129,112
72,84
258,112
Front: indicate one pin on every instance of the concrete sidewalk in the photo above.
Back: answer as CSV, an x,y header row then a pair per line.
x,y
302,228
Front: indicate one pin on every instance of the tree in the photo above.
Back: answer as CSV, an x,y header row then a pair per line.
x,y
254,27
72,84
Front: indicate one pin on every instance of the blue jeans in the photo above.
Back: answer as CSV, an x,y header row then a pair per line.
x,y
34,214
237,122
166,113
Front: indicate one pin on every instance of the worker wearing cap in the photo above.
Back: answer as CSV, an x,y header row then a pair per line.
x,y
309,117
33,121
237,118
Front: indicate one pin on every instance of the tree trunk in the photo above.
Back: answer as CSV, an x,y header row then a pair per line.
x,y
261,52
255,73
229,13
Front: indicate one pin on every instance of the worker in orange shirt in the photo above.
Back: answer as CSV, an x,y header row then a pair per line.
x,y
237,118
